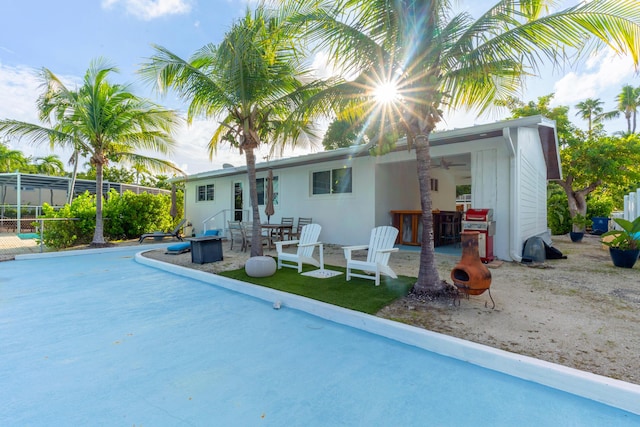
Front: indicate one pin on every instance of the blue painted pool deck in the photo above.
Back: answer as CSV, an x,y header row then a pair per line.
x,y
98,338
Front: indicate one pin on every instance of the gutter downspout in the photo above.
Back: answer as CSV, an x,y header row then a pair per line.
x,y
514,252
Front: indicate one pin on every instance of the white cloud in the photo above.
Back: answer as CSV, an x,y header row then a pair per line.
x,y
20,89
604,72
151,9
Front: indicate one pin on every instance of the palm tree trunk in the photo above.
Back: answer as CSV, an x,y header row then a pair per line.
x,y
428,277
98,234
74,176
256,233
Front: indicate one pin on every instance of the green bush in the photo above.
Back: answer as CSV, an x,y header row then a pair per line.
x,y
599,206
126,216
62,234
131,215
558,217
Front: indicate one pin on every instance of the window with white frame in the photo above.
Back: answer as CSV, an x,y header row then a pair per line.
x,y
205,192
261,188
333,181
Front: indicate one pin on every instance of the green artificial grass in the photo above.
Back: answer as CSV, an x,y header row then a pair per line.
x,y
357,294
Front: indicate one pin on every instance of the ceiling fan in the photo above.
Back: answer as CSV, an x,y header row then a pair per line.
x,y
444,164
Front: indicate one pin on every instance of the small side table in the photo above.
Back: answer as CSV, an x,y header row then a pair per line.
x,y
206,249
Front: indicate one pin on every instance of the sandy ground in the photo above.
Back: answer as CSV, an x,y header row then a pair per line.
x,y
581,311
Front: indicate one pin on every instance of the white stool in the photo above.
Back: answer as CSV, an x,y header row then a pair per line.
x,y
260,266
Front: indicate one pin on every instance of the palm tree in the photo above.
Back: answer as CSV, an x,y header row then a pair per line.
x,y
439,59
628,102
11,160
592,111
49,165
104,121
139,171
252,82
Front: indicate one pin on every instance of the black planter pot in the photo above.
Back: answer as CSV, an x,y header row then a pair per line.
x,y
576,236
624,258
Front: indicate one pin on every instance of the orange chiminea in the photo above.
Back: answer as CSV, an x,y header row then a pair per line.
x,y
470,275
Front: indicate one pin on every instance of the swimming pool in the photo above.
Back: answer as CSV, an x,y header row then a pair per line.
x,y
100,339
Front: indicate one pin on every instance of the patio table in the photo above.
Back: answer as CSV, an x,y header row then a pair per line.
x,y
277,229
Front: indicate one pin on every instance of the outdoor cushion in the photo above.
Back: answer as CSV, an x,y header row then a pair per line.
x,y
260,266
179,248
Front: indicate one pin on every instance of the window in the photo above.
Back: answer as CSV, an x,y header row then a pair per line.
x,y
333,181
261,187
434,184
205,192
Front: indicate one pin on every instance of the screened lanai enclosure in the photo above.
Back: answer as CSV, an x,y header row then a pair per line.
x,y
22,196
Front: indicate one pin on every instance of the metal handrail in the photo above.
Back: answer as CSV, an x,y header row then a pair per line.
x,y
226,215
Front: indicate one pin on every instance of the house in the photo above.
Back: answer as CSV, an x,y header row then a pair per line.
x,y
348,191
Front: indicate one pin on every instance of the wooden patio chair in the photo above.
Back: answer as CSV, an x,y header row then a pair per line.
x,y
305,248
236,234
247,236
287,233
380,247
295,232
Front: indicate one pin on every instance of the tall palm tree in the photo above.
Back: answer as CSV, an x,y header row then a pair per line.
x,y
590,110
628,102
438,59
105,122
252,83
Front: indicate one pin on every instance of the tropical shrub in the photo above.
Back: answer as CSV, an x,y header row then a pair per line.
x,y
599,206
79,230
558,217
127,216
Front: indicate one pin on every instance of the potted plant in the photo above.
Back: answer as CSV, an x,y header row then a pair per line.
x,y
624,244
579,223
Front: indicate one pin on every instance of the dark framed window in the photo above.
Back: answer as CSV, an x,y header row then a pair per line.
x,y
261,187
333,181
205,192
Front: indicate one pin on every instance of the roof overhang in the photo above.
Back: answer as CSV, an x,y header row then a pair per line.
x,y
546,129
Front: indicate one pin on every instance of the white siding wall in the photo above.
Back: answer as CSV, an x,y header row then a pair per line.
x,y
198,211
345,218
532,190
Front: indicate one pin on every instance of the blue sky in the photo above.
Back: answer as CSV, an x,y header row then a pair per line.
x,y
65,35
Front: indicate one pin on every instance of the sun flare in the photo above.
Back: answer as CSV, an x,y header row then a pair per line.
x,y
386,93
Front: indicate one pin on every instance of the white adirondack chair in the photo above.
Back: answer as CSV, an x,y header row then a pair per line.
x,y
380,247
306,245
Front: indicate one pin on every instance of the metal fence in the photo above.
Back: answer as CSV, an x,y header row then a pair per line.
x,y
22,236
